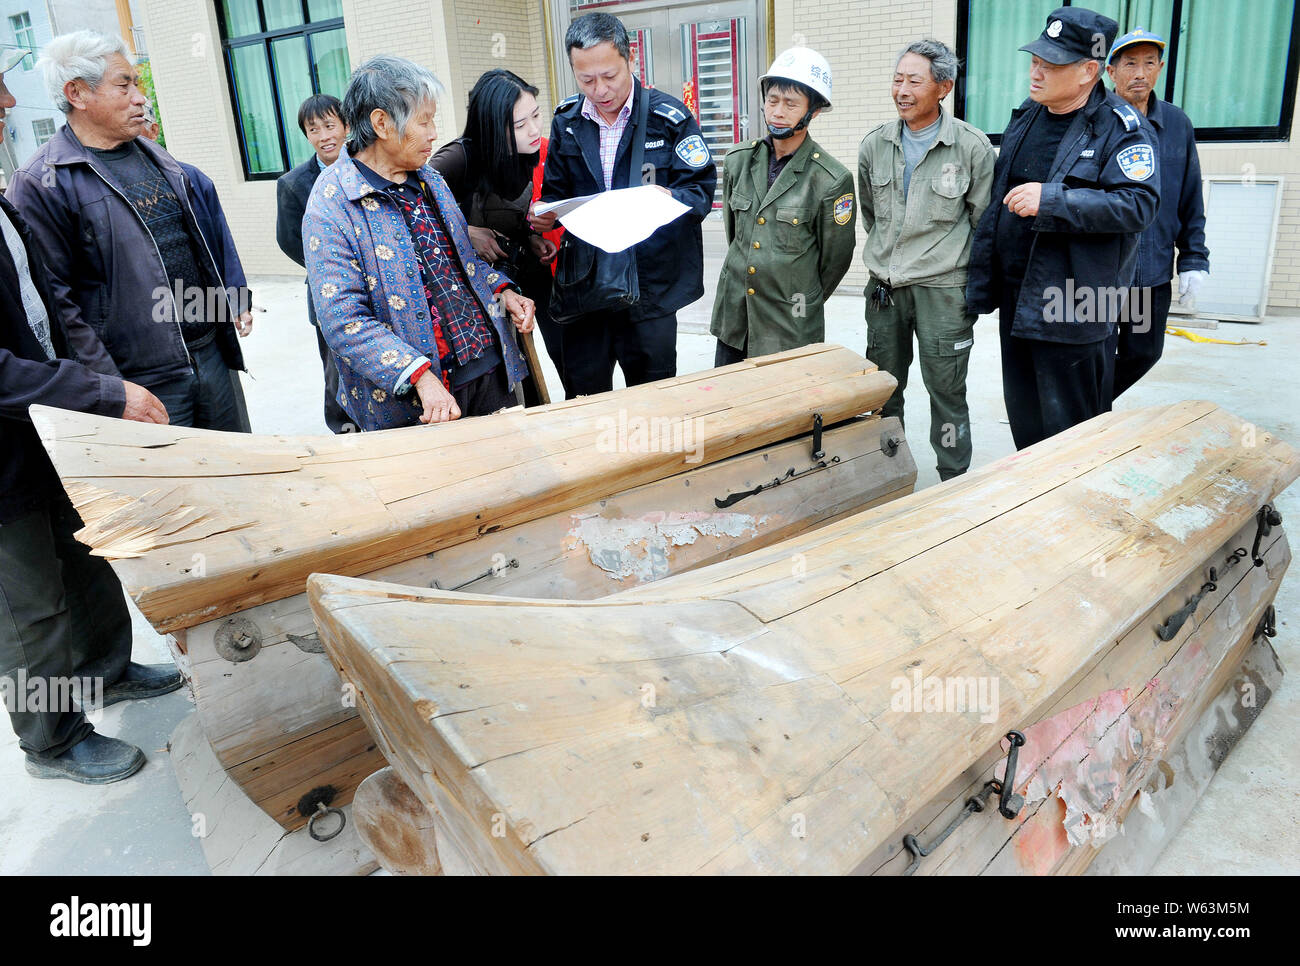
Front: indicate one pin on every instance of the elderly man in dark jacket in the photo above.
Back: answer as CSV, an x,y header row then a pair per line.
x,y
1074,186
138,287
1134,66
65,632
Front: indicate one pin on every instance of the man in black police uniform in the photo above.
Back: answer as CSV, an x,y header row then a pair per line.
x,y
590,151
1074,186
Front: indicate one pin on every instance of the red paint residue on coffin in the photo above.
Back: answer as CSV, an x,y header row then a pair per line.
x,y
1085,759
1086,768
1041,841
1071,759
1069,733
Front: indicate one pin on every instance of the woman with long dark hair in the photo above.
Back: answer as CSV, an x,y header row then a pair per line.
x,y
489,169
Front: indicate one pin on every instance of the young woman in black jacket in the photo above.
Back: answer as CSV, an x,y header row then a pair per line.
x,y
489,169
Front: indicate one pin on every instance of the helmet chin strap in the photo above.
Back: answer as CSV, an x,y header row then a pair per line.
x,y
781,133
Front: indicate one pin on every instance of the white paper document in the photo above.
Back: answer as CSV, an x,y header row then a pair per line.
x,y
617,220
562,208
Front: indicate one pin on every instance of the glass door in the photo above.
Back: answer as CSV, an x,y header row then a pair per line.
x,y
718,75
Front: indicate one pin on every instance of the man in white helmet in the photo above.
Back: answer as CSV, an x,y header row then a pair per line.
x,y
788,210
924,181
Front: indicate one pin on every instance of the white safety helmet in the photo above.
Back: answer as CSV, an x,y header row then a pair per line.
x,y
807,67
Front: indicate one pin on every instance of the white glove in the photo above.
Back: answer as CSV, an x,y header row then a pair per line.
x,y
1189,283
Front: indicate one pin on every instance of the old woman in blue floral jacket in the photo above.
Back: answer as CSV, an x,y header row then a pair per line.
x,y
417,321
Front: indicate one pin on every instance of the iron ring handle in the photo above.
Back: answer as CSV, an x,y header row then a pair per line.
x,y
323,810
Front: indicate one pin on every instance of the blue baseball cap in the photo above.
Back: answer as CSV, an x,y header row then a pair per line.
x,y
1133,37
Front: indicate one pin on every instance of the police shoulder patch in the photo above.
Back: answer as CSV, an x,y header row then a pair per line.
x,y
1138,162
694,151
1125,114
567,102
843,209
674,114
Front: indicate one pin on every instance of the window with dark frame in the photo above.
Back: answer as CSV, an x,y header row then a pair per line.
x,y
278,53
1206,44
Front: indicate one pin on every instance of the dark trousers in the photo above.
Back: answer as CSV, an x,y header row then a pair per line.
x,y
645,349
725,355
485,394
336,418
1141,334
205,396
1050,386
62,616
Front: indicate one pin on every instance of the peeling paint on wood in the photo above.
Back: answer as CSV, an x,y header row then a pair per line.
x,y
640,547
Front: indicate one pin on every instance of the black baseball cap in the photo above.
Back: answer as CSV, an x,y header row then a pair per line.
x,y
1073,34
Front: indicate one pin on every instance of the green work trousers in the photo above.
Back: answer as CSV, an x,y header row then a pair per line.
x,y
944,333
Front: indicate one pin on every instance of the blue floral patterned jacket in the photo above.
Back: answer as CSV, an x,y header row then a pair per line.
x,y
369,297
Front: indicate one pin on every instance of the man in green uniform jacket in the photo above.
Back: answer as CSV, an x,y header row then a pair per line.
x,y
924,181
788,210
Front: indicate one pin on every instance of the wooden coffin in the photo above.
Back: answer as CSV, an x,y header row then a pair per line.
x,y
201,524
275,710
278,719
752,716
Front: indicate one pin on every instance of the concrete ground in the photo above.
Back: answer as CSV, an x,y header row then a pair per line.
x,y
1248,822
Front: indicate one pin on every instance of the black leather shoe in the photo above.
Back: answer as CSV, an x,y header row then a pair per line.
x,y
142,681
95,760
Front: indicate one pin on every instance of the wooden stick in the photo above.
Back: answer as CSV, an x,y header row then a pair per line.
x,y
535,367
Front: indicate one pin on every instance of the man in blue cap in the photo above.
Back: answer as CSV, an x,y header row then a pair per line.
x,y
1134,66
1075,185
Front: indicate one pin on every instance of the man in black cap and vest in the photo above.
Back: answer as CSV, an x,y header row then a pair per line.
x,y
1074,186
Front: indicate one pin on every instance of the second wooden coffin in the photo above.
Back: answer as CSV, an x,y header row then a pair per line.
x,y
746,717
